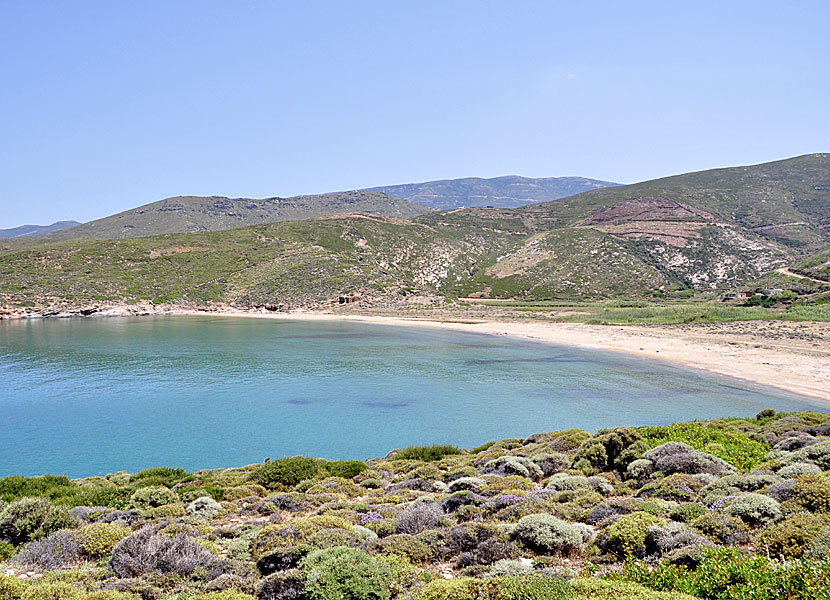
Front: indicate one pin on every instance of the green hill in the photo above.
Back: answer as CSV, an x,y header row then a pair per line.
x,y
188,214
701,231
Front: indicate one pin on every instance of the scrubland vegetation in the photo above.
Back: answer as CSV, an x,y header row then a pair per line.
x,y
731,508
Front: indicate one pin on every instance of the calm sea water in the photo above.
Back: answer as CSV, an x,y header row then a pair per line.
x,y
92,396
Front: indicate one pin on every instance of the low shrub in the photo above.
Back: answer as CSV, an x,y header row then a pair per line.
x,y
282,559
56,488
627,535
288,471
29,519
606,589
403,545
611,449
678,457
726,574
817,454
417,517
204,507
57,590
792,536
813,492
513,465
58,550
345,574
426,453
678,487
153,497
721,528
531,587
286,585
545,533
734,447
551,462
160,476
686,512
145,552
11,588
98,539
344,468
754,509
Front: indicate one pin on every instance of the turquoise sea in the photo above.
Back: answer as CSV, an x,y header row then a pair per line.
x,y
92,396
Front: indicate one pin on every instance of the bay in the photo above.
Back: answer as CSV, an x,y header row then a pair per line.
x,y
91,396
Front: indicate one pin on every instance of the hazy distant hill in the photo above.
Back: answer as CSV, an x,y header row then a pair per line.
x,y
188,214
499,192
32,230
708,230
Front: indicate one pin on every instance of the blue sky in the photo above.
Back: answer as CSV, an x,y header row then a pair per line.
x,y
111,104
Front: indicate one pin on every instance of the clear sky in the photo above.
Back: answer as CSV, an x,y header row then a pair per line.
x,y
107,105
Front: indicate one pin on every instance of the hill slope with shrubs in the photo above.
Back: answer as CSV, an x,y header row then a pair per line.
x,y
730,508
665,238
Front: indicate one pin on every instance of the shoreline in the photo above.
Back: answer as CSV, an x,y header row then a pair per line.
x,y
744,350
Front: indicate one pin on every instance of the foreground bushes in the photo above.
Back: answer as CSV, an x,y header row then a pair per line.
x,y
30,519
725,574
511,520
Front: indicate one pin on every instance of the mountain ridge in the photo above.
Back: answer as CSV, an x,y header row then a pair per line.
x,y
35,230
506,191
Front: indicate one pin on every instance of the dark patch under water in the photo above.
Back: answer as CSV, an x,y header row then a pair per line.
x,y
92,396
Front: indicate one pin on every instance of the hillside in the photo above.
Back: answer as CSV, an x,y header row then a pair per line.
x,y
33,230
187,214
498,192
701,231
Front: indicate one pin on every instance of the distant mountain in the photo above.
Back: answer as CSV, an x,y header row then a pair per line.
x,y
510,191
189,214
32,230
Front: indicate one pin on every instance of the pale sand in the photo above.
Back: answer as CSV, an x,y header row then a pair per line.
x,y
787,355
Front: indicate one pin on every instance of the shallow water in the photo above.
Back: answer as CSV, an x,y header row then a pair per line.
x,y
92,396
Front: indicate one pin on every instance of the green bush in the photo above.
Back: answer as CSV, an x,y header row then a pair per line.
x,y
545,533
531,587
606,589
344,468
627,535
56,488
686,512
98,539
727,444
223,595
612,449
404,545
10,587
813,492
678,487
52,591
166,476
345,574
726,574
754,509
426,453
792,536
153,497
288,471
721,528
29,519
